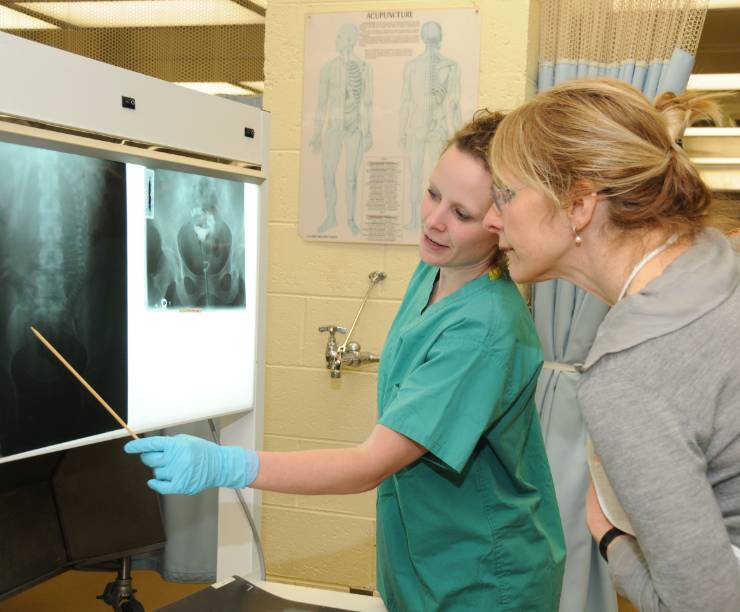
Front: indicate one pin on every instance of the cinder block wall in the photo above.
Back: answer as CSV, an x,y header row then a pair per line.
x,y
329,541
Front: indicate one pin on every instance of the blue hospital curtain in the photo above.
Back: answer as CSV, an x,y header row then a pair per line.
x,y
650,44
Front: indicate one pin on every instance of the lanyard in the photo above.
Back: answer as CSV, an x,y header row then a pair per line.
x,y
644,261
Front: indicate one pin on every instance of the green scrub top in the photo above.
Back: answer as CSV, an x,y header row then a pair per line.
x,y
473,524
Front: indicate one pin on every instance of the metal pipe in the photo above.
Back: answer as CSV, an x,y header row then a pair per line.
x,y
255,533
375,277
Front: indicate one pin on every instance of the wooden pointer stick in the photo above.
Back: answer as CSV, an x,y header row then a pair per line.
x,y
56,354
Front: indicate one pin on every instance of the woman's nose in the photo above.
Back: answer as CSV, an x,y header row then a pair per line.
x,y
435,218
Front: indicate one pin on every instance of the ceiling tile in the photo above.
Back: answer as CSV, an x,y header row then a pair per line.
x,y
723,81
257,86
13,20
217,88
143,13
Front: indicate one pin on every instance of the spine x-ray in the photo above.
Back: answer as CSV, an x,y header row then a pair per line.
x,y
195,241
63,271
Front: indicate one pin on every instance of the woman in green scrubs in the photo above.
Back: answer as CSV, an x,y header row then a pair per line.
x,y
467,517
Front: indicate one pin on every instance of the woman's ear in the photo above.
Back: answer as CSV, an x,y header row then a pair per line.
x,y
582,210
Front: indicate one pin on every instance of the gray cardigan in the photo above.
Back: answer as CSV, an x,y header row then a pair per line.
x,y
661,398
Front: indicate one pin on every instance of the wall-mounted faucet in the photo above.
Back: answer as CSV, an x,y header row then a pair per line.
x,y
348,353
351,356
332,348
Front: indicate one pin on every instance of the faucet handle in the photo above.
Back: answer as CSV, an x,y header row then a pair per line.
x,y
332,329
376,277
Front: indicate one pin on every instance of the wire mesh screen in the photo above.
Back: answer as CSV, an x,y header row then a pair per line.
x,y
611,31
175,40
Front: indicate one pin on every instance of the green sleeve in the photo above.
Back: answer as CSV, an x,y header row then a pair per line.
x,y
456,395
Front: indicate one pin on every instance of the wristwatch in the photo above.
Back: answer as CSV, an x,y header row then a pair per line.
x,y
607,538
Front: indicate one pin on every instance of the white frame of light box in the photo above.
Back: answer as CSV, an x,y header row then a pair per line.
x,y
69,103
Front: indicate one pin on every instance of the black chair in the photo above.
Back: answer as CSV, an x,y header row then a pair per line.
x,y
76,509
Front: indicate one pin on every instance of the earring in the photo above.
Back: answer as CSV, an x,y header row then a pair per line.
x,y
576,236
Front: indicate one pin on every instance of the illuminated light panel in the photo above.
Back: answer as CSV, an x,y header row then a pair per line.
x,y
713,131
708,82
13,20
215,89
723,4
256,86
143,13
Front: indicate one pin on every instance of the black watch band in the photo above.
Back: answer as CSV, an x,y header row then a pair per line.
x,y
607,538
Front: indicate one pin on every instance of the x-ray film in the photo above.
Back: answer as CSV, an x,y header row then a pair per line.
x,y
143,279
192,272
195,241
62,270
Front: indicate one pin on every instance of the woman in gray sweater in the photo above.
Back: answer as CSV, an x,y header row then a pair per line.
x,y
594,187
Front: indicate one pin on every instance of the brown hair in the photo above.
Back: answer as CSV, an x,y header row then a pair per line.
x,y
475,138
604,136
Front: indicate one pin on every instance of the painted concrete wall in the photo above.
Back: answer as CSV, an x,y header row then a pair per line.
x,y
329,541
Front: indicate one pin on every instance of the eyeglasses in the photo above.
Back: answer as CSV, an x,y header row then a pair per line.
x,y
501,196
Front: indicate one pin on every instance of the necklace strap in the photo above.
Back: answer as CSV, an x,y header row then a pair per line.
x,y
643,262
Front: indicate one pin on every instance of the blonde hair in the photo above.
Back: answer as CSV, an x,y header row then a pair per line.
x,y
604,136
725,214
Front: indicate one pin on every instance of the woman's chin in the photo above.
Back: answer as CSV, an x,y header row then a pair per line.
x,y
433,256
522,276
431,260
516,272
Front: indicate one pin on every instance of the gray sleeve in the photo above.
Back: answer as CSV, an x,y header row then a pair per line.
x,y
684,561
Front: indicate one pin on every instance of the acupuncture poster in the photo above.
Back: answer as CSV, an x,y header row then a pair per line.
x,y
383,91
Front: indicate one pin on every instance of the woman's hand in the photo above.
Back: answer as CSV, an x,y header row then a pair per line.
x,y
596,520
185,465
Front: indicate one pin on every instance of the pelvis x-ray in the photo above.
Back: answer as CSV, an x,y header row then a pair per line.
x,y
195,241
63,271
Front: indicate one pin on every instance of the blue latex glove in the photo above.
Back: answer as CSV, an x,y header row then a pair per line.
x,y
186,465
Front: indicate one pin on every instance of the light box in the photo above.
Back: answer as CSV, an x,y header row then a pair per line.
x,y
143,275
